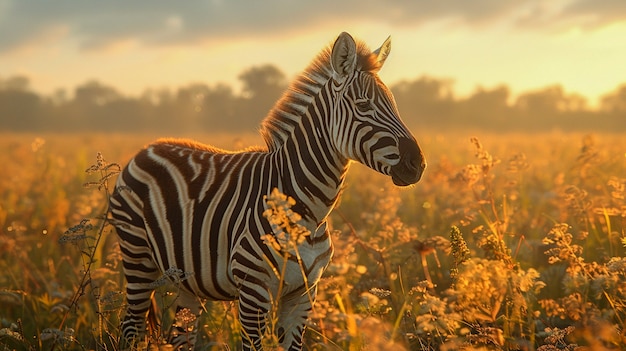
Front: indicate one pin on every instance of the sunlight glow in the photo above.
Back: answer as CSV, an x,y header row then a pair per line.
x,y
582,58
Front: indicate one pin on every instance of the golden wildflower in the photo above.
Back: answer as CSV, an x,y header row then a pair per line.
x,y
483,285
288,233
562,248
185,319
460,251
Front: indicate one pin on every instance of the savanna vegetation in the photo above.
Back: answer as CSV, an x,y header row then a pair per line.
x,y
511,241
425,102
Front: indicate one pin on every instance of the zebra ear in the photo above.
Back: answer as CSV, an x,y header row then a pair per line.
x,y
383,51
343,55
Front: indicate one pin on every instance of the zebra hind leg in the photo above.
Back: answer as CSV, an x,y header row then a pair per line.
x,y
183,332
139,305
140,272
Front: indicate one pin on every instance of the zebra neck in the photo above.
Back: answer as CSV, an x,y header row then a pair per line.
x,y
297,130
312,172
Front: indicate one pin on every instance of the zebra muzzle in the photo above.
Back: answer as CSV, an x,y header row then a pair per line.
x,y
412,163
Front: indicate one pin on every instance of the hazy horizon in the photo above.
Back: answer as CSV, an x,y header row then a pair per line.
x,y
237,86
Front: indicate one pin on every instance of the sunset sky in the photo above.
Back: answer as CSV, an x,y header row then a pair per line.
x,y
134,45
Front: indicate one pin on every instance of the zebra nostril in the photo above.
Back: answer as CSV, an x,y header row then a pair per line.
x,y
411,154
416,163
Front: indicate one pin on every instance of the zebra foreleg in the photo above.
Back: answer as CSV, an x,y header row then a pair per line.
x,y
293,313
183,332
254,304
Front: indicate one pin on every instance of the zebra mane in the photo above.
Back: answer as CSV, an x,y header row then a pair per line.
x,y
292,106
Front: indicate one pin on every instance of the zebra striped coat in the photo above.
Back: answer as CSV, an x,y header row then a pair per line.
x,y
196,210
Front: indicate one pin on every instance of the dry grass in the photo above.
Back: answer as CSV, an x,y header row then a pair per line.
x,y
512,242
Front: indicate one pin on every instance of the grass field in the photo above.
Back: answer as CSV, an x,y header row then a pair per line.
x,y
510,242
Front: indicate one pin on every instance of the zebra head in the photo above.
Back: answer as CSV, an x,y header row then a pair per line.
x,y
365,121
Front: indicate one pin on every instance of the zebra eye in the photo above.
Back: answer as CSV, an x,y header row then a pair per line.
x,y
363,106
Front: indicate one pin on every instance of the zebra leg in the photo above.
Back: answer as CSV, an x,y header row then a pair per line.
x,y
293,313
140,272
183,332
254,304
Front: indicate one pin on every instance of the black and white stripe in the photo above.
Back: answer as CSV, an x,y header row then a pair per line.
x,y
186,206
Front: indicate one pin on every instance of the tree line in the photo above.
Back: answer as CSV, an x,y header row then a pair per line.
x,y
423,102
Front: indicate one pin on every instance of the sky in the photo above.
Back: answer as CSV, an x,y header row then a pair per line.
x,y
139,44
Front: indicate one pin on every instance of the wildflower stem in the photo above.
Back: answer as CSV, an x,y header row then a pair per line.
x,y
425,268
106,172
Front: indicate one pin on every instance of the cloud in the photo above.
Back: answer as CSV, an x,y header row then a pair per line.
x,y
96,24
597,12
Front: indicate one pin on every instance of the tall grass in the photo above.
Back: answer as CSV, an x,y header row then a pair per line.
x,y
513,242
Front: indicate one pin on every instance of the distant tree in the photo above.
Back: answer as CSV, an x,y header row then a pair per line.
x,y
262,81
550,108
551,100
88,109
15,83
59,97
128,115
99,107
191,111
487,108
262,86
20,109
425,101
95,93
222,111
615,101
157,96
165,107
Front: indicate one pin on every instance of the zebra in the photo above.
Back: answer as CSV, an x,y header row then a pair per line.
x,y
187,207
